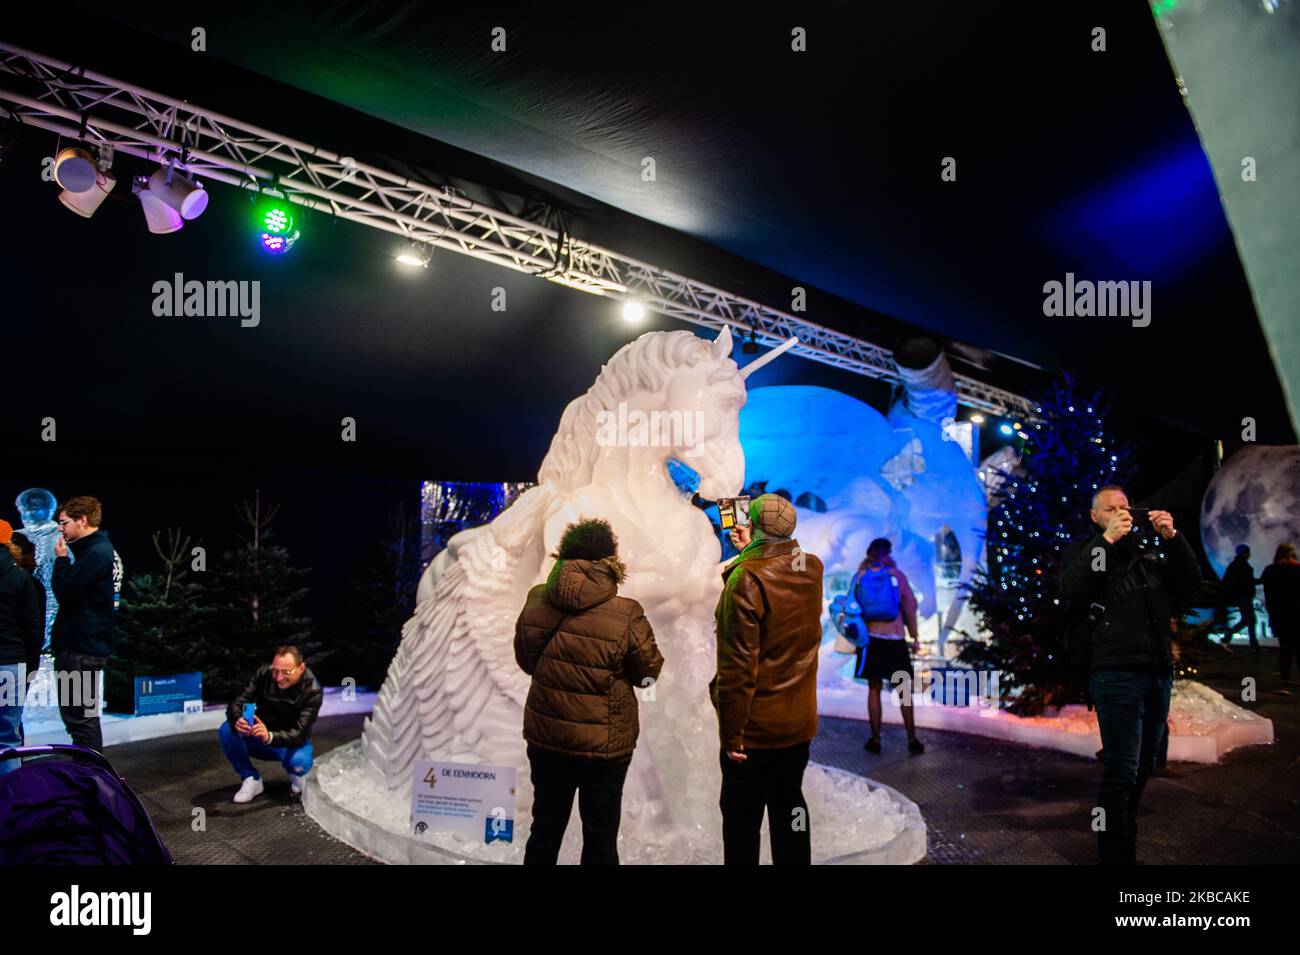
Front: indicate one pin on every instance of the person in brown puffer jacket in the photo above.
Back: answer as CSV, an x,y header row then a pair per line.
x,y
588,650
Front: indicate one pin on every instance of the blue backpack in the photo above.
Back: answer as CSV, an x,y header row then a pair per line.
x,y
876,592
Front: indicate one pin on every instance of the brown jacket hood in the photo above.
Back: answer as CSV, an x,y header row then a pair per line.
x,y
582,584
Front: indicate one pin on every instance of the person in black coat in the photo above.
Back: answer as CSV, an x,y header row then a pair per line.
x,y
1119,601
22,631
82,635
1238,590
27,561
286,698
1281,580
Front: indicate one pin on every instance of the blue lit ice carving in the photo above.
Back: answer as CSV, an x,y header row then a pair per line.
x,y
889,476
36,509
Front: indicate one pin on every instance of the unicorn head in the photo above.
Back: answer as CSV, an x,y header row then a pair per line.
x,y
664,395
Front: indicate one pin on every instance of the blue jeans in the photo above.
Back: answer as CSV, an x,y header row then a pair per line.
x,y
13,690
242,750
1132,709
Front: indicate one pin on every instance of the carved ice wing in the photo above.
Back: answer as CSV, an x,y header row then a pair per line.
x,y
454,691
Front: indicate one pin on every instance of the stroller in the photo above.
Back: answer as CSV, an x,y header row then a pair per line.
x,y
74,811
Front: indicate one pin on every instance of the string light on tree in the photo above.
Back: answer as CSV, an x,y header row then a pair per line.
x,y
1062,461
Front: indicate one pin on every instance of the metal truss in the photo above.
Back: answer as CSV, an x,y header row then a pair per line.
x,y
118,117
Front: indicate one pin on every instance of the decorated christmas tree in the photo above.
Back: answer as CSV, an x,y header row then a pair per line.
x,y
1041,505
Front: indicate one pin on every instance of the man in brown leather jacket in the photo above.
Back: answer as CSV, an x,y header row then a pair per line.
x,y
769,631
589,653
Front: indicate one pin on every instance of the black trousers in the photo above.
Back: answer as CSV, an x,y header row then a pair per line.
x,y
76,682
771,780
599,785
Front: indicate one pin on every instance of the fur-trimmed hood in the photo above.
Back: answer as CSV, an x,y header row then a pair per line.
x,y
583,584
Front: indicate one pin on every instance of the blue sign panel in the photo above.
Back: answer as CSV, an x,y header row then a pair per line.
x,y
167,694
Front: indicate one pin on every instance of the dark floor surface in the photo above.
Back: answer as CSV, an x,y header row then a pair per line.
x,y
984,801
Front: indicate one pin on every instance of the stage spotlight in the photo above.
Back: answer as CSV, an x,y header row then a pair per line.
x,y
279,244
977,419
180,193
1007,430
74,170
160,217
277,227
85,203
633,311
749,347
276,218
414,254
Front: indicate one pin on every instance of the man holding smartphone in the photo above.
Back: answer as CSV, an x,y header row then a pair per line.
x,y
284,699
1119,597
769,630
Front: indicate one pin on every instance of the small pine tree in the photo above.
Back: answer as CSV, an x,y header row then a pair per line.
x,y
252,593
159,625
1066,455
377,598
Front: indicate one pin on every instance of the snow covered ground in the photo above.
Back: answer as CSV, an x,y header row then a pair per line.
x,y
1203,724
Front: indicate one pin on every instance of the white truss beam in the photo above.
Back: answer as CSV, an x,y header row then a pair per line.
x,y
82,104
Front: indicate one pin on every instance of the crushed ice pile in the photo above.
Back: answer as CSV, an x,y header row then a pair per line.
x,y
1194,710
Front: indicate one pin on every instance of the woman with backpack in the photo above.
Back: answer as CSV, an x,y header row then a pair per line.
x,y
888,606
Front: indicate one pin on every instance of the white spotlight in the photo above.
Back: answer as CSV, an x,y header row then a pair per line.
x,y
414,254
85,203
160,217
179,192
633,311
74,170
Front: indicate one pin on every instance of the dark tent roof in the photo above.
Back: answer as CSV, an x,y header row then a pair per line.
x,y
820,168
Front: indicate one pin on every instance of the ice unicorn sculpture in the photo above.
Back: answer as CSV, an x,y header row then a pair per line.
x,y
454,691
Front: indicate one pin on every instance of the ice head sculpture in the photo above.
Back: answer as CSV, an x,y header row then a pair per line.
x,y
36,507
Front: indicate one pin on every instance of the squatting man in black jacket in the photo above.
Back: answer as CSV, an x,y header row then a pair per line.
x,y
1119,604
284,698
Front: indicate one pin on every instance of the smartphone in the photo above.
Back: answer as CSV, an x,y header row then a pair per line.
x,y
733,512
250,713
1140,513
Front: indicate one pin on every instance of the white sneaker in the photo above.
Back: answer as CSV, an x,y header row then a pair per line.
x,y
297,784
251,788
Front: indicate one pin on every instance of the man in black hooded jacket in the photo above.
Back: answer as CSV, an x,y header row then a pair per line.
x,y
1119,601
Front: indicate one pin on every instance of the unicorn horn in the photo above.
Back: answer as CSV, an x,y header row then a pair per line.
x,y
776,352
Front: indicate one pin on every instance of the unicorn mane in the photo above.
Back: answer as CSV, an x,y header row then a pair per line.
x,y
645,364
